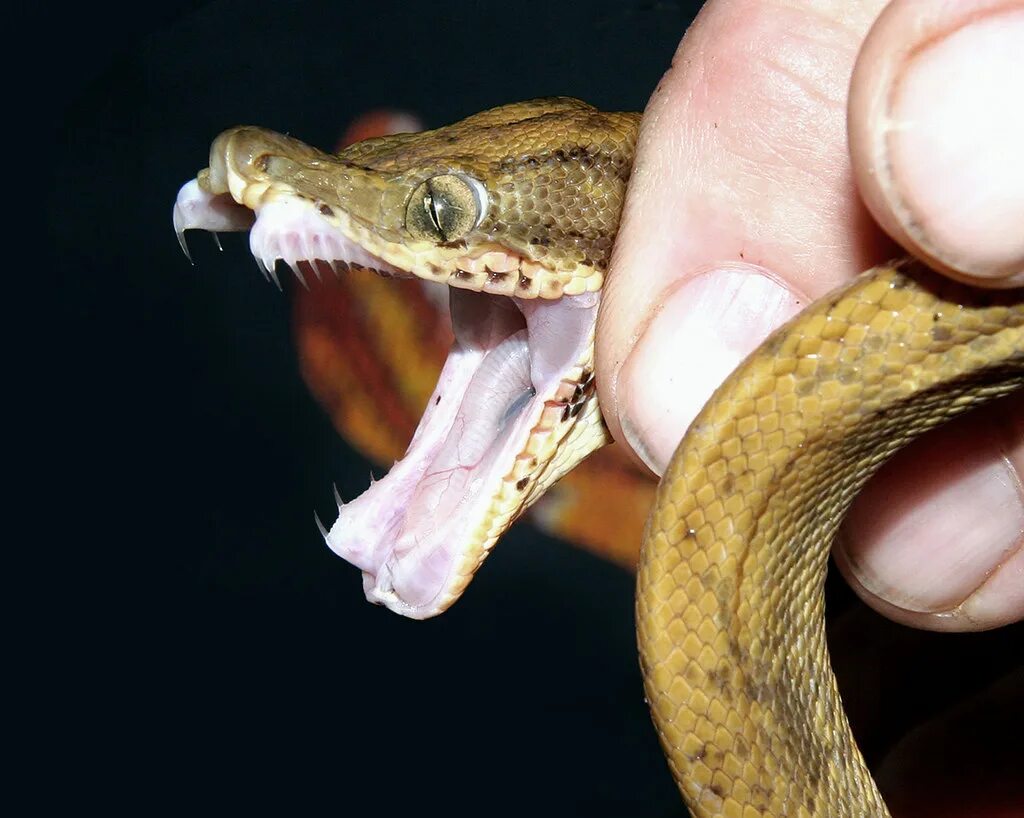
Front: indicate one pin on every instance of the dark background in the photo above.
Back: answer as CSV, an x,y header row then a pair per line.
x,y
209,651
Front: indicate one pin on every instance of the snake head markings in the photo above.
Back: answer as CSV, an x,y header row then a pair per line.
x,y
516,209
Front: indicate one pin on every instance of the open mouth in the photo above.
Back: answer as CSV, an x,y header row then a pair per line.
x,y
517,381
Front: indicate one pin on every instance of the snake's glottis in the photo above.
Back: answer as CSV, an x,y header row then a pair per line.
x,y
517,209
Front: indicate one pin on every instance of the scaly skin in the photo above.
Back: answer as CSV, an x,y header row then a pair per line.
x,y
729,601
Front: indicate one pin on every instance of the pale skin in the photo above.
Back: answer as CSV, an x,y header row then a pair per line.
x,y
776,122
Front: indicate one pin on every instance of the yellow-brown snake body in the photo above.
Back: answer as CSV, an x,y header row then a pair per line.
x,y
519,206
730,605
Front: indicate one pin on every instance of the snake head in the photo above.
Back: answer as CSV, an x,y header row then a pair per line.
x,y
516,210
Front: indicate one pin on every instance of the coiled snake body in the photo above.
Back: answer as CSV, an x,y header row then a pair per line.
x,y
516,209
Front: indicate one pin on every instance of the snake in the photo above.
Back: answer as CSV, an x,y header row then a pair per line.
x,y
515,211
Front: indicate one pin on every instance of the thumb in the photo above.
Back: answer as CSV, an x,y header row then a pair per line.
x,y
741,208
936,122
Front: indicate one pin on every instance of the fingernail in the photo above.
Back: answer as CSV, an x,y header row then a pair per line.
x,y
705,326
955,154
943,551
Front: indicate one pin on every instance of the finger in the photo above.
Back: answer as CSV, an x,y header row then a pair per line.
x,y
936,539
742,207
936,128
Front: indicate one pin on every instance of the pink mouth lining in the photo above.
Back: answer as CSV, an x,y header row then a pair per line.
x,y
409,531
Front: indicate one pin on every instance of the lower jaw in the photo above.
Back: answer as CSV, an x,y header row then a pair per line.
x,y
420,532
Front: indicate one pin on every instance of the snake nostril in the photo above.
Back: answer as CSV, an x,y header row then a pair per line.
x,y
216,177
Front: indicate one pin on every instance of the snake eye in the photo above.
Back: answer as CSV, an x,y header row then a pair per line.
x,y
445,208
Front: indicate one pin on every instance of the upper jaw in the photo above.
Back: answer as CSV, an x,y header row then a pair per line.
x,y
256,165
258,170
301,204
284,228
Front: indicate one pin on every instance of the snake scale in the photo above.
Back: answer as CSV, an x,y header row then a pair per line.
x,y
516,209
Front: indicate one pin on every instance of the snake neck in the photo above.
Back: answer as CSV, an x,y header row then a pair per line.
x,y
730,601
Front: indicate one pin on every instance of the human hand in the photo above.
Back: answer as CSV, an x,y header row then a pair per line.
x,y
757,152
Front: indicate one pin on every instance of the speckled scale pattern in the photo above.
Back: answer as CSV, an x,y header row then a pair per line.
x,y
730,608
561,201
555,170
